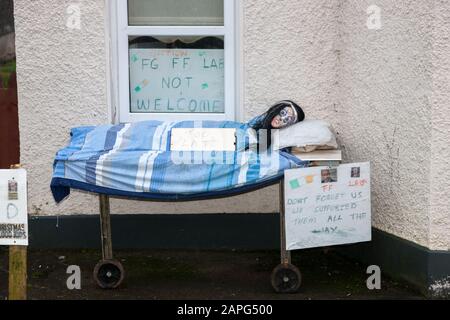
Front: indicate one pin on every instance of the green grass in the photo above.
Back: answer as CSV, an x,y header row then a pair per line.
x,y
6,70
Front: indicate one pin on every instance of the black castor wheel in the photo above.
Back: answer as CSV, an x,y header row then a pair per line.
x,y
109,274
286,278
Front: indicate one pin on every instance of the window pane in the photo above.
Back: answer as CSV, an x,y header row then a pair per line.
x,y
176,74
175,12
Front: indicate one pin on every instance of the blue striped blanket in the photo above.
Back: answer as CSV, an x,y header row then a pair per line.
x,y
134,160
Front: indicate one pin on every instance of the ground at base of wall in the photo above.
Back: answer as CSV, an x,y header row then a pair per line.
x,y
190,274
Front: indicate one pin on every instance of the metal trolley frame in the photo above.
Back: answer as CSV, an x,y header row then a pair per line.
x,y
109,273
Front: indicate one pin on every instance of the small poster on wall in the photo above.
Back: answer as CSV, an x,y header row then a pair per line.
x,y
13,207
327,206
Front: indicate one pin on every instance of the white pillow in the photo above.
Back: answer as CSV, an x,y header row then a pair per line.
x,y
306,136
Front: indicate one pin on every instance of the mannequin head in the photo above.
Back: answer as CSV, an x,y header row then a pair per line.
x,y
286,117
282,114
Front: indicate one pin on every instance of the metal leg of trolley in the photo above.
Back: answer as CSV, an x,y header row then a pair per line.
x,y
286,278
109,273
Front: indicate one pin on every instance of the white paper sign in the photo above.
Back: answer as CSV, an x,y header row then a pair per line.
x,y
177,80
203,139
327,206
13,207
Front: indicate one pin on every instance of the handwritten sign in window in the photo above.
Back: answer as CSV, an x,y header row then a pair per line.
x,y
177,80
327,206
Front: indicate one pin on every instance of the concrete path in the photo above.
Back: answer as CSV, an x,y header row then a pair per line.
x,y
201,275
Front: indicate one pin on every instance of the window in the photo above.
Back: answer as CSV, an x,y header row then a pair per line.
x,y
175,59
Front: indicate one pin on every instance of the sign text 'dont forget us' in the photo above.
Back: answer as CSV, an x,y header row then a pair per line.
x,y
327,206
177,80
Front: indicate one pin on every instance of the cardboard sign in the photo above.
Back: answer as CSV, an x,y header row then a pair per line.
x,y
327,206
177,80
13,207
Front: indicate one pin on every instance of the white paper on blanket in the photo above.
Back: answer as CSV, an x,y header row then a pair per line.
x,y
203,139
327,206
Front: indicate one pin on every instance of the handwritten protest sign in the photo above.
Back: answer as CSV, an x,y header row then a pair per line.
x,y
327,206
177,80
13,207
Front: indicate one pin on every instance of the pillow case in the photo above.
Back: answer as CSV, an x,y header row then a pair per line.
x,y
305,136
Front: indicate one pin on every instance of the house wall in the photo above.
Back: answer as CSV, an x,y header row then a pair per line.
x,y
381,89
61,84
439,234
384,81
393,85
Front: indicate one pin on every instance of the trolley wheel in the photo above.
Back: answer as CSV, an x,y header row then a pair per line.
x,y
286,278
108,274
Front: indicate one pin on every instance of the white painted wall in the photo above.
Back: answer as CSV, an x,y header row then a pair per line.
x,y
393,110
61,83
385,91
439,234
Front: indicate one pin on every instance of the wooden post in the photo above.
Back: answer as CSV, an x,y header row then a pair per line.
x,y
17,287
17,273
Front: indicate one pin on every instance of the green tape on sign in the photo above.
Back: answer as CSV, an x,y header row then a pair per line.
x,y
294,184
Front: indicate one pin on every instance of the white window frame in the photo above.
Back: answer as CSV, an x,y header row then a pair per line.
x,y
120,58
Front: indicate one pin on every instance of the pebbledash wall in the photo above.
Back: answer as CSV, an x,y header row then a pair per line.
x,y
393,109
384,88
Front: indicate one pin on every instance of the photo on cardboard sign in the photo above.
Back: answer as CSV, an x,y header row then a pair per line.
x,y
355,172
328,175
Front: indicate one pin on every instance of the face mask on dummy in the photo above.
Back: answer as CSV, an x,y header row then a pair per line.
x,y
286,117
